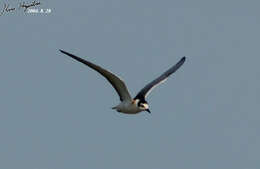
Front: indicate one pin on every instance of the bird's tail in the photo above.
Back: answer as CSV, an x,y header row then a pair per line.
x,y
113,107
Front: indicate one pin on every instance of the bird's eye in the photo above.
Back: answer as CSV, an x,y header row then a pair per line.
x,y
142,106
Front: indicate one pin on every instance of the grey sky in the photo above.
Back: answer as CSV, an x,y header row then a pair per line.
x,y
56,113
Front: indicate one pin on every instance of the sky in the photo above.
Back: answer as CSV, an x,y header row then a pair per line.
x,y
55,113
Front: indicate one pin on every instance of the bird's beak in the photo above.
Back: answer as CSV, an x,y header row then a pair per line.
x,y
148,110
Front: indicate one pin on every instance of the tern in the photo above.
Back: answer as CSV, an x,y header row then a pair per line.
x,y
129,105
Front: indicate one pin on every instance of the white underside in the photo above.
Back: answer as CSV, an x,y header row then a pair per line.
x,y
128,107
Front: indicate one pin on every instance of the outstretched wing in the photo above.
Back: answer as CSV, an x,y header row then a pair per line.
x,y
150,86
114,80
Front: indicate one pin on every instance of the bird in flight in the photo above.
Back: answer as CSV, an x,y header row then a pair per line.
x,y
129,105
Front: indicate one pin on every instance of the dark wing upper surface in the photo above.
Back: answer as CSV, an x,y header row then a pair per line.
x,y
148,88
114,80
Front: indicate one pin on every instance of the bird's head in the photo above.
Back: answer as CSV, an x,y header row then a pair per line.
x,y
143,105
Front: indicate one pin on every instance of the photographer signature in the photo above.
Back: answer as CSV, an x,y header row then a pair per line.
x,y
7,7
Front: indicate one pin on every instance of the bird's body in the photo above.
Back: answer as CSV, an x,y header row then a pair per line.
x,y
129,105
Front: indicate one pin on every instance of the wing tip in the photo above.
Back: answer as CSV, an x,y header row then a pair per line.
x,y
70,55
62,51
183,58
